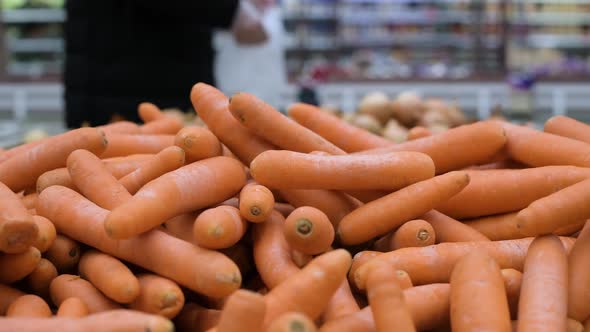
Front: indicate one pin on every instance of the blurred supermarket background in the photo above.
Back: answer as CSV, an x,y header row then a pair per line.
x,y
522,59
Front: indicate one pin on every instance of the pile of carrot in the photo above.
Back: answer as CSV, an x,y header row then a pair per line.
x,y
264,222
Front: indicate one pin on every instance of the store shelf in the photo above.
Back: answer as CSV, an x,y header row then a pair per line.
x,y
406,17
552,18
36,45
296,17
33,15
557,41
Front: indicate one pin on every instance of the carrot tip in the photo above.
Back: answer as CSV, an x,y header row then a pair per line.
x,y
423,235
255,211
297,326
73,252
304,227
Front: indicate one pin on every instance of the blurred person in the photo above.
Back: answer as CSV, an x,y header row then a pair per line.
x,y
120,53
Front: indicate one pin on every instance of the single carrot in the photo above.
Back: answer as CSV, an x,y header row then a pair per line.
x,y
181,226
568,127
414,233
256,202
543,297
562,208
418,132
123,144
29,306
309,290
284,208
7,296
434,263
345,136
536,148
116,320
64,253
15,267
476,283
149,112
309,231
334,204
94,181
72,307
341,304
294,170
507,190
65,286
109,275
387,302
163,126
478,142
40,279
186,189
120,127
198,143
158,295
497,227
163,162
243,311
359,260
18,230
512,283
448,229
219,227
20,149
213,107
206,272
579,277
387,213
21,171
30,200
195,318
266,122
292,322
272,254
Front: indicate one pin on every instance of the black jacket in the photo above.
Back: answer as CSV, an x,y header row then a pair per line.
x,y
122,52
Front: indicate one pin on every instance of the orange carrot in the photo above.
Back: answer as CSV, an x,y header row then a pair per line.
x,y
341,304
30,200
284,208
266,122
345,136
149,112
186,189
93,180
499,191
198,143
163,162
568,127
387,213
294,170
300,259
40,279
478,296
359,260
195,318
513,283
309,290
243,311
478,142
543,297
181,226
497,227
204,271
418,132
219,228
574,326
120,127
448,229
536,148
28,306
5,155
67,285
414,233
64,253
366,196
72,307
109,275
163,126
158,295
213,107
434,263
309,231
18,230
123,144
272,254
334,204
7,296
256,202
579,277
15,267
386,299
21,171
292,322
